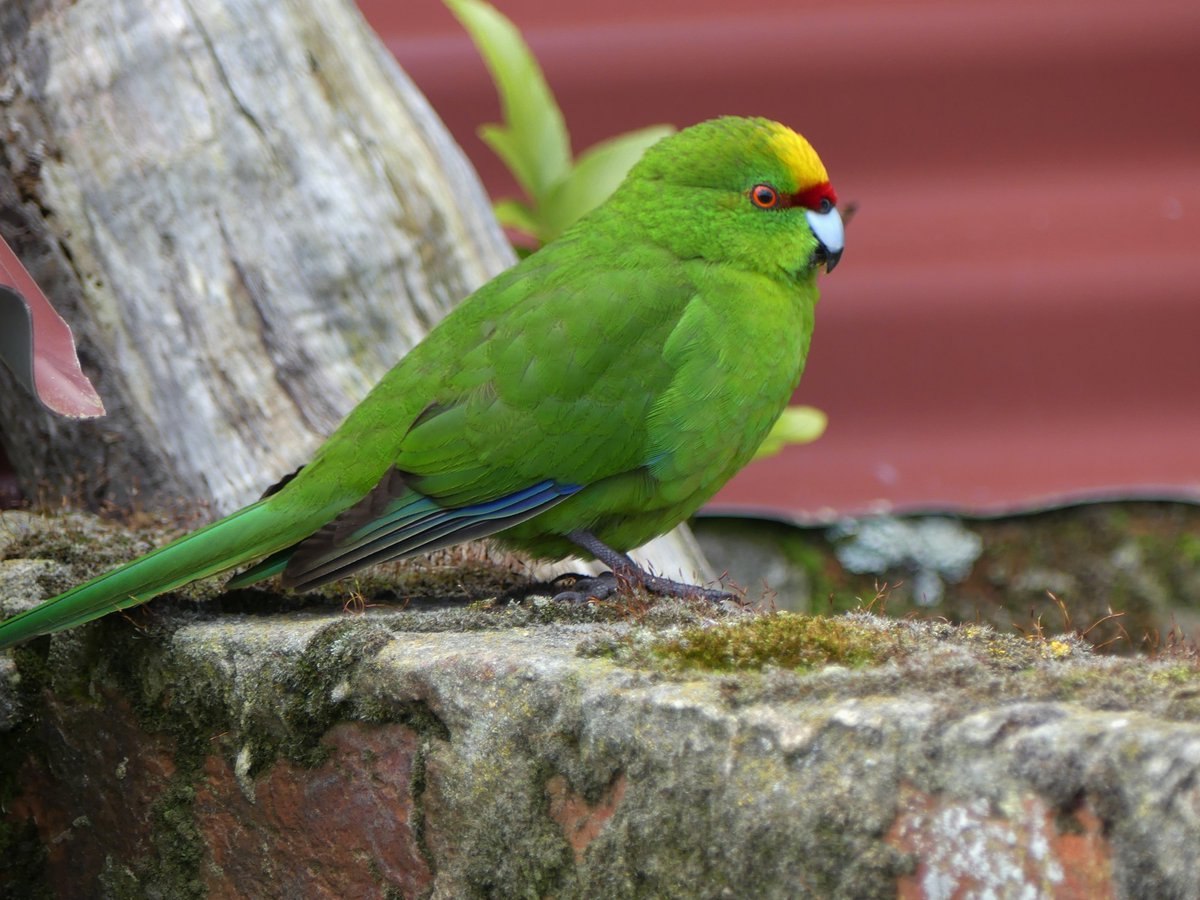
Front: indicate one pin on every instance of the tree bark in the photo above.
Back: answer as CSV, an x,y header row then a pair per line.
x,y
246,212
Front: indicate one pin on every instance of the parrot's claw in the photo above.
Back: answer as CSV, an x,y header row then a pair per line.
x,y
582,588
626,576
665,587
585,588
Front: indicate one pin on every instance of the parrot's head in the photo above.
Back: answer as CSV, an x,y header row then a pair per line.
x,y
748,192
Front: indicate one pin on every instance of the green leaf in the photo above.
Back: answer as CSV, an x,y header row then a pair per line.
x,y
796,425
515,214
596,174
533,140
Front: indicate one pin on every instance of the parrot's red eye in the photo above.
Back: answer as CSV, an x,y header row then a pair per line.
x,y
764,196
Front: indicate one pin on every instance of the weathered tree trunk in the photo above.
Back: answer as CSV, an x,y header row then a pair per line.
x,y
246,212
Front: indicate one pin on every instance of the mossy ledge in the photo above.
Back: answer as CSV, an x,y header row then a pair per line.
x,y
518,749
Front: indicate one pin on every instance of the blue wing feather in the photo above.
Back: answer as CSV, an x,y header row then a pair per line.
x,y
410,523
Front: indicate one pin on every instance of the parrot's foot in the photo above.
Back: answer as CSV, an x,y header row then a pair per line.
x,y
582,588
626,574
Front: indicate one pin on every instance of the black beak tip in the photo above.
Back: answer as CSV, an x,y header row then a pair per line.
x,y
823,256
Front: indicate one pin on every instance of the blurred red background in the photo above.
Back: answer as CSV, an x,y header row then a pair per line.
x,y
1016,319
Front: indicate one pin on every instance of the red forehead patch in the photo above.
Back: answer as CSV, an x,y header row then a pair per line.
x,y
813,197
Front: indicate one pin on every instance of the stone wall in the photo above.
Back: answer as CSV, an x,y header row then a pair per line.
x,y
257,746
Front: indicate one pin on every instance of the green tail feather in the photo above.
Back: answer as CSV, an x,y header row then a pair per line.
x,y
246,535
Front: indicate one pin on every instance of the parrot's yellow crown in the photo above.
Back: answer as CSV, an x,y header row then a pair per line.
x,y
798,155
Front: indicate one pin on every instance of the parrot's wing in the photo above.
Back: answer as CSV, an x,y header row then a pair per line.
x,y
561,390
393,521
555,398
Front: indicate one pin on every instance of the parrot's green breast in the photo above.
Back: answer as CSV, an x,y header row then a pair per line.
x,y
686,416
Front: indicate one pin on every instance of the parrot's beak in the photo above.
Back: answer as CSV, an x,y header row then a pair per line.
x,y
829,231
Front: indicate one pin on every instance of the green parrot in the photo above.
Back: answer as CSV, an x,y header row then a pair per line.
x,y
583,402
